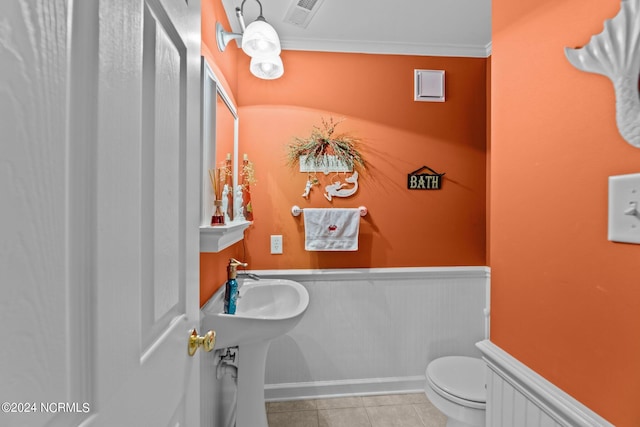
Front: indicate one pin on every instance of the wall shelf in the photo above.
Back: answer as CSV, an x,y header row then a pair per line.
x,y
215,239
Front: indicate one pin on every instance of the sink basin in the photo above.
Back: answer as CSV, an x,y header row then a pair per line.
x,y
266,309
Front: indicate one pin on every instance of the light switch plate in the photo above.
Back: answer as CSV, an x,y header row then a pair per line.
x,y
624,208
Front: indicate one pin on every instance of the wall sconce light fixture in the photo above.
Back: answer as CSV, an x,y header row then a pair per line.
x,y
259,40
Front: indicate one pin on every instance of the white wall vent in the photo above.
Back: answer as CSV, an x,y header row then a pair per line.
x,y
428,85
301,12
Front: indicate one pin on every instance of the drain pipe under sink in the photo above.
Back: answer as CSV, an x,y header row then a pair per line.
x,y
226,365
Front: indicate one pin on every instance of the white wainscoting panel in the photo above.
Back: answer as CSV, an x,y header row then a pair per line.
x,y
366,331
373,331
517,396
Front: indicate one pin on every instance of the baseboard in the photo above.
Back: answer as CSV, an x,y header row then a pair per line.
x,y
328,389
517,395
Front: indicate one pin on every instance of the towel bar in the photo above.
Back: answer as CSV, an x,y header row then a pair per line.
x,y
297,210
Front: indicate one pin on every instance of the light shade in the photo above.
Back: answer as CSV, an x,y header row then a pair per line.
x,y
267,67
260,39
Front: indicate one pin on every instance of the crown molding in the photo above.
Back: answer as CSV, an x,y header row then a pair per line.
x,y
387,48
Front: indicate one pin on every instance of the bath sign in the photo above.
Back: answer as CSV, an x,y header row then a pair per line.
x,y
421,179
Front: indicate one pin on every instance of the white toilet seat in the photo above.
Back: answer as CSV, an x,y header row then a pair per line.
x,y
459,379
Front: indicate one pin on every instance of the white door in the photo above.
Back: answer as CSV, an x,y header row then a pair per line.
x,y
99,212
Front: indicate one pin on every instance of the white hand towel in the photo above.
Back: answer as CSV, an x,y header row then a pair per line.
x,y
331,229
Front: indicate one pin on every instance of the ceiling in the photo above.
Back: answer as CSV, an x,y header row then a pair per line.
x,y
409,27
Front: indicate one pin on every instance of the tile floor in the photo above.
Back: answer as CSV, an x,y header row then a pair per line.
x,y
397,410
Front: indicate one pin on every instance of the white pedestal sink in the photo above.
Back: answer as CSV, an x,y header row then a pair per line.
x,y
266,309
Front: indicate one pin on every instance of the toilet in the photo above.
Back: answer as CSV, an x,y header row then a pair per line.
x,y
456,385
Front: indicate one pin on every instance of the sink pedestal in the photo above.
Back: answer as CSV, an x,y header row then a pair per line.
x,y
250,410
267,309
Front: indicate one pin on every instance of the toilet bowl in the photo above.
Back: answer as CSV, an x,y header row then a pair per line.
x,y
456,385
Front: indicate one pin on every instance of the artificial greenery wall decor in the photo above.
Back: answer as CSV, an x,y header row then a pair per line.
x,y
323,142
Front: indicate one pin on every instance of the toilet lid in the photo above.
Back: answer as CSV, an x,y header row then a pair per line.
x,y
460,376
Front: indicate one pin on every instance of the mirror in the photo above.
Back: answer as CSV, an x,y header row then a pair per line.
x,y
219,146
613,53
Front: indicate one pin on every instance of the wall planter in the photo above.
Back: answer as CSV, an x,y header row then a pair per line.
x,y
325,150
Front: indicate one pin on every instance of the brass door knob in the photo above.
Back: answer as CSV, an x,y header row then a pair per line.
x,y
207,342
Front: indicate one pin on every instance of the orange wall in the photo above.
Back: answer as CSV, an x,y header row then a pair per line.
x,y
375,95
565,301
224,64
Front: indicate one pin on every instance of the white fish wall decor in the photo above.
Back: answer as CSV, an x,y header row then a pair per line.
x,y
615,53
337,189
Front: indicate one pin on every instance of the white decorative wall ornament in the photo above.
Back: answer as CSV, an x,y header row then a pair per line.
x,y
307,189
337,189
615,53
326,164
